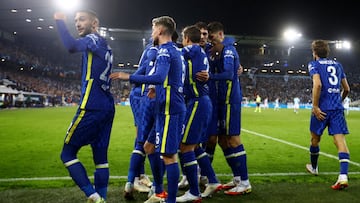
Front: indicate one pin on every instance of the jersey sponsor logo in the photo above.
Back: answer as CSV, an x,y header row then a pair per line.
x,y
333,90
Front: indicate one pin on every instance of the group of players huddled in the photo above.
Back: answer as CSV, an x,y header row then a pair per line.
x,y
185,100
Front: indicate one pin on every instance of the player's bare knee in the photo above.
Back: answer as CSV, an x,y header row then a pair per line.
x,y
186,147
233,141
169,158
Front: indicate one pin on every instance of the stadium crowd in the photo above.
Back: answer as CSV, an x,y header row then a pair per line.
x,y
28,71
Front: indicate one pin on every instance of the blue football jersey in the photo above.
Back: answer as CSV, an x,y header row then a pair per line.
x,y
331,73
195,61
96,67
169,79
226,67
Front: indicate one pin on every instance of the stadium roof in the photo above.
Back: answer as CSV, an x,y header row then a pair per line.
x,y
316,19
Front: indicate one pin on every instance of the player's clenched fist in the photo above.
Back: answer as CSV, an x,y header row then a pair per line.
x,y
59,16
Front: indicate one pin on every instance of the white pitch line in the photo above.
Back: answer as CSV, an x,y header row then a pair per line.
x,y
295,145
218,175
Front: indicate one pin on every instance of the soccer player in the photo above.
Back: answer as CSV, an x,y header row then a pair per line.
x,y
328,79
258,103
138,155
296,105
197,118
170,104
93,120
226,61
277,104
346,103
266,103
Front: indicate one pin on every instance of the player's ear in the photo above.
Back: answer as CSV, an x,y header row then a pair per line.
x,y
95,23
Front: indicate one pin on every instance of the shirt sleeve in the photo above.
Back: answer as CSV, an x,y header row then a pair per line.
x,y
162,69
228,63
72,44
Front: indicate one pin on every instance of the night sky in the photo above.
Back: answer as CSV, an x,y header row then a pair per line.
x,y
251,17
264,18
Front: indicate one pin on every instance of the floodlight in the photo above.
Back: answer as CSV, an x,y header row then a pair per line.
x,y
67,5
292,34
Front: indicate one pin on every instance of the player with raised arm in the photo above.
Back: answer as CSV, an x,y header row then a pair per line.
x,y
170,105
94,117
330,88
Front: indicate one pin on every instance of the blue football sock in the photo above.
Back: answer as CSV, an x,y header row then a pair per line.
x,y
314,155
241,158
181,165
157,171
101,180
205,165
344,159
189,164
136,161
79,175
173,173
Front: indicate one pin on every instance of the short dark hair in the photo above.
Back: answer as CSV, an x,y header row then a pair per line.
x,y
320,48
215,26
193,33
201,25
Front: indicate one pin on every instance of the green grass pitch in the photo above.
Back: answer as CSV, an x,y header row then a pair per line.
x,y
276,143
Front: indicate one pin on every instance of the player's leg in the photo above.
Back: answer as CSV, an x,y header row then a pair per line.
x,y
170,140
190,167
213,184
194,125
80,133
316,130
212,132
237,158
338,129
136,100
344,159
100,154
314,154
76,170
157,168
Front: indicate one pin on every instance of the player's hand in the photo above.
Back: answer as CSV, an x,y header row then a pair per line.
x,y
59,16
151,93
320,115
202,76
216,50
120,75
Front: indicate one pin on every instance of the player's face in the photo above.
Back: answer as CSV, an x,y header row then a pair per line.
x,y
204,37
156,31
84,24
215,37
